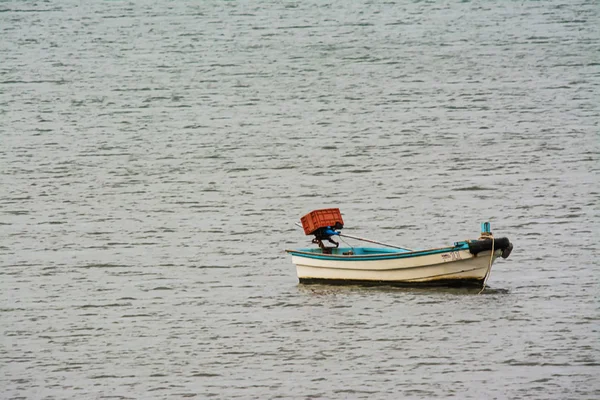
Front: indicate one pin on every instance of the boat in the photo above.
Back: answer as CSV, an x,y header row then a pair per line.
x,y
464,263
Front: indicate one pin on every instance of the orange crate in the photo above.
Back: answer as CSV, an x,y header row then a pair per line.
x,y
321,219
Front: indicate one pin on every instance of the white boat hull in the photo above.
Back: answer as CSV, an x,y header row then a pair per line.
x,y
430,269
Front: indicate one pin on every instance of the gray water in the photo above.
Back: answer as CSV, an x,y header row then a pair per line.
x,y
154,156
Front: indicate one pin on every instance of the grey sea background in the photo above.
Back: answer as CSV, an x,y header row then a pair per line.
x,y
155,155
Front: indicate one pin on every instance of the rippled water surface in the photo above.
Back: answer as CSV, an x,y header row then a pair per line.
x,y
155,154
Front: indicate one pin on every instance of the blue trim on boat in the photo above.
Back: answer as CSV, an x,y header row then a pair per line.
x,y
379,253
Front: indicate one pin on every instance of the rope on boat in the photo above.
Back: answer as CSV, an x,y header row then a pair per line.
x,y
347,244
487,275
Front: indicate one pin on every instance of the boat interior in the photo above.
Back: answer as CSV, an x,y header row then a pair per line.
x,y
354,251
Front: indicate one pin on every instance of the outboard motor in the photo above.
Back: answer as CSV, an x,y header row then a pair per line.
x,y
325,234
323,224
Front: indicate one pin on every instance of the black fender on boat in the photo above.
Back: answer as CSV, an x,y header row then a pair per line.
x,y
477,246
